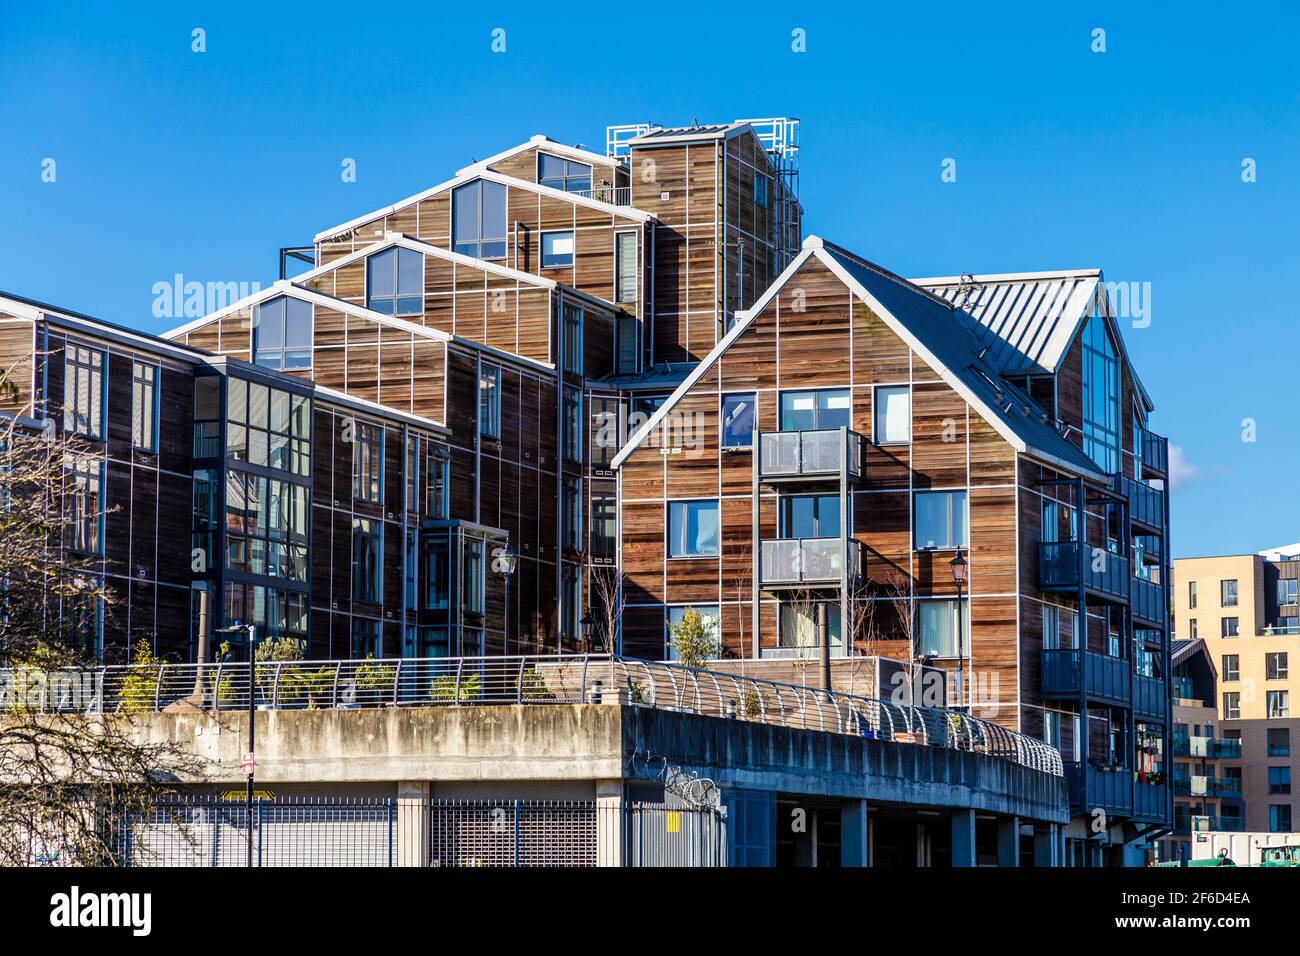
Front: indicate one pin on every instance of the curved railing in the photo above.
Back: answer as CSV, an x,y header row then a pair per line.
x,y
399,682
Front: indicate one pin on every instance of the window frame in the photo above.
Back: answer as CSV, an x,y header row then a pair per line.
x,y
964,536
1276,665
368,462
879,422
817,410
959,611
367,533
396,297
1229,631
86,527
489,402
621,277
565,177
572,322
1223,593
140,387
302,358
1231,705
686,504
748,443
479,241
561,262
79,363
1231,664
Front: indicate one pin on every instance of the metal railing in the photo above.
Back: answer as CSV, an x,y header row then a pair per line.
x,y
1146,504
469,681
1103,570
1103,676
1154,451
808,560
614,195
815,453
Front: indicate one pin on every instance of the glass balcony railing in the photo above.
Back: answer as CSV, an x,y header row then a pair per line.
x,y
1103,571
822,453
793,561
1153,451
1146,505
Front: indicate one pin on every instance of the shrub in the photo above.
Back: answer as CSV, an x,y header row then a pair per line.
x,y
693,640
140,682
445,688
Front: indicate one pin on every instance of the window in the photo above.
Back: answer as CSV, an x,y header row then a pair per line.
x,y
367,639
144,407
810,516
207,411
1278,703
760,191
1228,593
604,525
606,437
797,627
572,339
413,473
368,463
940,520
268,427
566,175
395,282
624,267
83,618
479,220
1192,629
804,411
489,402
472,576
738,420
936,628
571,601
411,569
1052,728
1231,705
1286,591
1279,818
85,503
557,249
1228,627
1275,665
435,574
573,426
1279,742
266,526
1058,522
1100,395
282,333
1231,667
1279,780
571,514
435,487
628,346
893,415
1191,595
692,529
710,617
1051,627
367,560
83,391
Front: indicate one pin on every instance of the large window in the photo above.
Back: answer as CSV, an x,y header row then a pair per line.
x,y
604,525
605,431
940,520
1275,665
367,638
144,407
473,574
1279,818
1286,591
489,402
893,415
624,267
266,526
368,462
709,617
827,408
1279,742
85,503
282,333
573,426
571,514
83,618
436,574
83,391
796,627
572,339
760,190
395,282
268,427
1279,780
1228,593
571,601
810,516
479,220
936,628
1231,667
692,529
1278,703
367,560
276,612
738,420
628,345
557,249
567,175
1101,419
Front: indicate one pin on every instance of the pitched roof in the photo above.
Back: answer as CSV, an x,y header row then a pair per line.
x,y
538,141
944,337
666,135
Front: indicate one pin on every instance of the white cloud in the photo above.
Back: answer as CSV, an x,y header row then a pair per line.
x,y
1181,471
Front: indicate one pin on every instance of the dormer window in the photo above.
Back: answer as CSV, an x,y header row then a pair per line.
x,y
565,175
395,282
282,333
478,220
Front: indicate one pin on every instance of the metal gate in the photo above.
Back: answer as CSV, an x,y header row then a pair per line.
x,y
513,833
657,834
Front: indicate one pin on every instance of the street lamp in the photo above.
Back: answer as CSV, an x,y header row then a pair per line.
x,y
251,631
504,562
958,567
586,624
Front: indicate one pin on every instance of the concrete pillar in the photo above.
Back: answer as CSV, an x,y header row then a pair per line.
x,y
413,824
963,838
855,847
1047,845
1009,841
610,822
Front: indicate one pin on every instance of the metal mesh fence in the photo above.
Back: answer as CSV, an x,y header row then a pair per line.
x,y
513,833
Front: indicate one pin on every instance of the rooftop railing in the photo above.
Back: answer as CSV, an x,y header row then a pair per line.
x,y
528,680
614,195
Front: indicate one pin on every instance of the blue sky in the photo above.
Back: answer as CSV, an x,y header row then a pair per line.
x,y
170,161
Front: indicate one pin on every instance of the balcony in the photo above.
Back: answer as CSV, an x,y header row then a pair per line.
x,y
614,195
1205,785
1110,790
1153,450
1104,573
1105,678
1148,602
1150,800
1149,698
1146,505
792,562
1208,748
821,454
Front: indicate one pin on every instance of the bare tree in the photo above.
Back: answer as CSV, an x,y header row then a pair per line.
x,y
607,606
66,772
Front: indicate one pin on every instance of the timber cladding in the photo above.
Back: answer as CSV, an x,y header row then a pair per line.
x,y
18,350
815,334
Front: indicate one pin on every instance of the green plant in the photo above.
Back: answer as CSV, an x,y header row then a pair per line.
x,y
693,639
635,692
140,682
532,686
750,703
278,650
314,685
375,678
446,689
223,689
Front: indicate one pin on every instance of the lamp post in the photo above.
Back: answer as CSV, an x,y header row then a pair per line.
x,y
251,631
958,567
504,562
586,625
